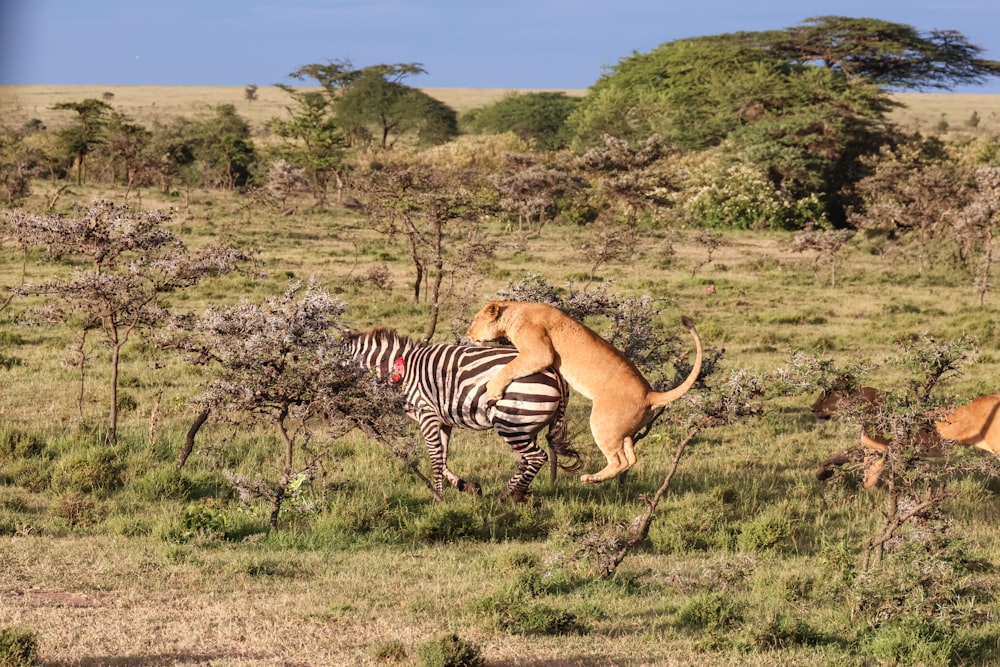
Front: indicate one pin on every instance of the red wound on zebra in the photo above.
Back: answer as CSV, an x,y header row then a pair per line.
x,y
397,370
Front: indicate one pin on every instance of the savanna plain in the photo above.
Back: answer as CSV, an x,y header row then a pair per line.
x,y
750,560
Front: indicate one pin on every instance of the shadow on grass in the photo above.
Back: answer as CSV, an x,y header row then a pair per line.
x,y
175,659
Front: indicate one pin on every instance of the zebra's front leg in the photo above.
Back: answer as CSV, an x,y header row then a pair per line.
x,y
436,451
471,488
532,460
436,437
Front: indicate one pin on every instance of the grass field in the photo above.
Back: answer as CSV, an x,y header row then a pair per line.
x,y
751,560
921,111
149,104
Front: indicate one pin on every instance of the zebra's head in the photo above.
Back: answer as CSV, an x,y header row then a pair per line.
x,y
379,350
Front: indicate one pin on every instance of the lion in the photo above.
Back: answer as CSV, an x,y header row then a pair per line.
x,y
623,401
973,424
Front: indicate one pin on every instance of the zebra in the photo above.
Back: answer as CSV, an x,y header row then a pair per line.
x,y
445,386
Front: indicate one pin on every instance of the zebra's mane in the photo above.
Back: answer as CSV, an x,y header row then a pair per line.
x,y
390,335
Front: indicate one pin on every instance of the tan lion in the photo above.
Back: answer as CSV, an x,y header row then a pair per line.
x,y
623,401
974,424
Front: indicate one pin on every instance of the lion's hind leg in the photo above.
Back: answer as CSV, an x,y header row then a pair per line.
x,y
620,459
613,423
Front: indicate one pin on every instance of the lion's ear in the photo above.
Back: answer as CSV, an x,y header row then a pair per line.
x,y
494,310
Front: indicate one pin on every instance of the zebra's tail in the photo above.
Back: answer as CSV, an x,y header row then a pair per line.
x,y
564,454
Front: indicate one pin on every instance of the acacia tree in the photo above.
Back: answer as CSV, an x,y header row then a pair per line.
x,y
16,158
134,263
174,147
88,132
531,190
125,148
827,243
377,106
437,208
372,103
280,364
805,122
313,140
912,191
625,182
893,55
537,117
224,147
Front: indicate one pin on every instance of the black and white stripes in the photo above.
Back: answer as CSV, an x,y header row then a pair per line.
x,y
445,387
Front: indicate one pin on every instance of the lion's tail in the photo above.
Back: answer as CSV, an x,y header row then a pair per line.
x,y
661,398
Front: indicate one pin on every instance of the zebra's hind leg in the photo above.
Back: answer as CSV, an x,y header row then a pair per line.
x,y
532,460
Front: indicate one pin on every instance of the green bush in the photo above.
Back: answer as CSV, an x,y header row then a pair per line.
x,y
710,612
742,197
695,524
17,444
519,614
31,474
8,523
912,642
926,581
443,522
766,531
204,523
18,648
777,630
449,651
94,470
163,483
536,116
78,509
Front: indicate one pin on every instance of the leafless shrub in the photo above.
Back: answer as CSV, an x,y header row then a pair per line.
x,y
710,241
608,243
134,262
376,275
975,227
913,191
284,180
280,364
915,489
827,244
437,209
531,191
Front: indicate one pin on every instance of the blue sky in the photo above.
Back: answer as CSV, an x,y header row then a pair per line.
x,y
554,44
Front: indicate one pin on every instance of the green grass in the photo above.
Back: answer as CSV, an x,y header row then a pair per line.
x,y
750,560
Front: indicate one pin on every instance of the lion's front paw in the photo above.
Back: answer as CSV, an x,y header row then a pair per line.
x,y
494,388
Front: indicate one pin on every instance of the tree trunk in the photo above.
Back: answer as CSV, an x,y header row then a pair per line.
x,y
435,295
116,351
189,440
286,477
